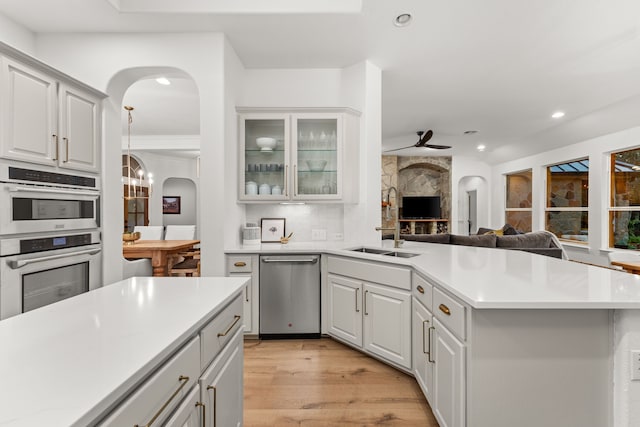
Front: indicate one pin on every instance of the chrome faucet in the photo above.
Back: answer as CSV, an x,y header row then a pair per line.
x,y
396,230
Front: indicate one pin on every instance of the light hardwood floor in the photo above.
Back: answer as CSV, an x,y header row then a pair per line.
x,y
325,383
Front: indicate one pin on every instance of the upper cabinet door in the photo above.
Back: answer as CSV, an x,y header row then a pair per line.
x,y
317,156
28,114
264,157
79,129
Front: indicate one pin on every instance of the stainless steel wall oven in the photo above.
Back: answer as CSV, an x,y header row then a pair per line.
x,y
50,246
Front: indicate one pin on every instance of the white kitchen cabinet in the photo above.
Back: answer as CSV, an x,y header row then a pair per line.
x,y
247,266
307,161
345,304
421,345
47,118
221,386
79,129
375,317
448,401
387,323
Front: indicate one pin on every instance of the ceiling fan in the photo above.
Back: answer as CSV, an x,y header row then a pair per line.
x,y
422,142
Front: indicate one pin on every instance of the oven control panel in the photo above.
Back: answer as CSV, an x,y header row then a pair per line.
x,y
50,178
58,242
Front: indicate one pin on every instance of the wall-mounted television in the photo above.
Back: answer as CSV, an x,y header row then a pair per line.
x,y
421,207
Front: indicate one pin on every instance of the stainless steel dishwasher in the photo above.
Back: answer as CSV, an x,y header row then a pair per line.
x,y
289,296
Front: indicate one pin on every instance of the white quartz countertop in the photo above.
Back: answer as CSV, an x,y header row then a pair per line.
x,y
494,277
66,363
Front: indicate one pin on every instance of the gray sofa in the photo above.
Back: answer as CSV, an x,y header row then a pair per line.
x,y
537,242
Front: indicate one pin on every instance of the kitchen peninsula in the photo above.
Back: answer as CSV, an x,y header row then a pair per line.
x,y
492,336
115,355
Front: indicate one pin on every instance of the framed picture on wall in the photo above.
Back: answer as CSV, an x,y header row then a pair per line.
x,y
272,229
170,205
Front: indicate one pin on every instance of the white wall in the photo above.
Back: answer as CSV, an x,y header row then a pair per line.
x,y
99,60
16,35
461,169
186,190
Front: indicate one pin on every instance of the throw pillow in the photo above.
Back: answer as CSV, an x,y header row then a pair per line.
x,y
498,232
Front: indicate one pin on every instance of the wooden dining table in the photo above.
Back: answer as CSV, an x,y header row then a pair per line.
x,y
159,251
628,266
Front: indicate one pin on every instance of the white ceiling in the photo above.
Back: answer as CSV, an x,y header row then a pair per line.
x,y
500,67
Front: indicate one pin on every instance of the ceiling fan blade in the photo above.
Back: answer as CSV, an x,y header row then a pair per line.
x,y
403,148
437,147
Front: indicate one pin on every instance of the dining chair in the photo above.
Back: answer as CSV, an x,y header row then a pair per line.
x,y
149,232
189,267
180,232
622,257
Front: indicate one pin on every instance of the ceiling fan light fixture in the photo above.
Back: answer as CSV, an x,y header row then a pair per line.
x,y
557,115
402,20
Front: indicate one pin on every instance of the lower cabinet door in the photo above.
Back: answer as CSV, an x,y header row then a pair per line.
x,y
190,413
387,323
449,378
345,309
222,384
422,351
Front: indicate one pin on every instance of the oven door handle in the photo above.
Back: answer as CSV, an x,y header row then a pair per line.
x,y
18,264
50,190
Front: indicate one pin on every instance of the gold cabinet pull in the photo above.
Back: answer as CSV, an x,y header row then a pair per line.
x,y
66,150
55,141
184,380
357,309
240,264
365,303
429,359
213,409
424,322
204,411
236,318
420,289
443,308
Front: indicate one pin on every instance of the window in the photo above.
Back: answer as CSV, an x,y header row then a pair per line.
x,y
624,205
567,206
518,193
135,210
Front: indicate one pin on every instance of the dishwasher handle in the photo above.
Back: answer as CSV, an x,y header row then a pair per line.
x,y
311,260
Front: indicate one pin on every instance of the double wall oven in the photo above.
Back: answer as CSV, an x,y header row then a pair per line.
x,y
50,246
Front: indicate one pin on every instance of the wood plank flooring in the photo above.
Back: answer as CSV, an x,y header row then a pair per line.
x,y
325,383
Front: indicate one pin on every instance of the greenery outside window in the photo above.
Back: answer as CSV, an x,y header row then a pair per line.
x,y
624,205
518,200
567,206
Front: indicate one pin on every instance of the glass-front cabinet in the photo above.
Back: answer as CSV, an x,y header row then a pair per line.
x,y
292,156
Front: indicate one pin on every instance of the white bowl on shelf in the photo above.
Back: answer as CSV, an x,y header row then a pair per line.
x,y
266,143
316,165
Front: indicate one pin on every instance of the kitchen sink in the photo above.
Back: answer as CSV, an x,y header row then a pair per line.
x,y
371,250
385,252
401,254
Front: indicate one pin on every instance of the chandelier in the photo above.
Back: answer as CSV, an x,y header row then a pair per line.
x,y
136,181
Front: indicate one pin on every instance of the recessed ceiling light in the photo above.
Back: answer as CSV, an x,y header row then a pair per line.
x,y
470,132
402,20
558,114
481,147
163,81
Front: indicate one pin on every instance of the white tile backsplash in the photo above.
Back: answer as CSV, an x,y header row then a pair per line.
x,y
301,219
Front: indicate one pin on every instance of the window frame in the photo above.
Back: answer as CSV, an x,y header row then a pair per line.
x,y
612,210
507,209
582,209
